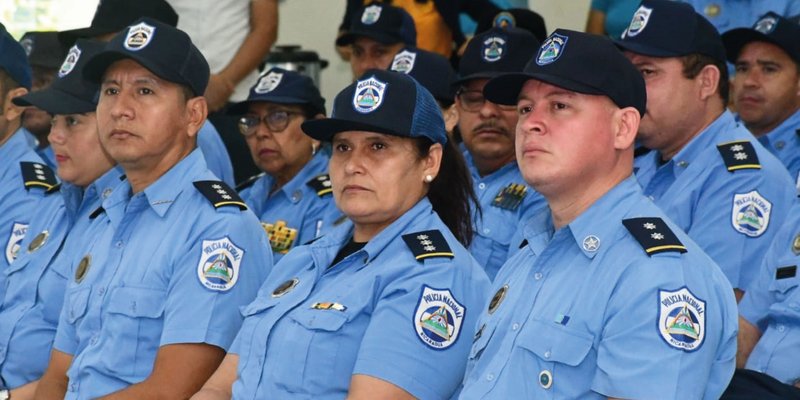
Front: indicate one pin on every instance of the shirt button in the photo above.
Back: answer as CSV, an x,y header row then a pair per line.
x,y
481,186
490,377
514,327
651,198
73,387
780,144
120,244
101,291
94,340
537,276
486,231
547,354
781,328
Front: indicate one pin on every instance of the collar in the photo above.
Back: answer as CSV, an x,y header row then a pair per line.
x,y
315,166
707,139
786,130
76,198
496,175
15,148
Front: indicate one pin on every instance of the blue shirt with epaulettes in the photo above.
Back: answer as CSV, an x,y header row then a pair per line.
x,y
784,143
589,310
214,151
772,304
296,213
724,189
313,325
170,265
730,14
506,203
31,299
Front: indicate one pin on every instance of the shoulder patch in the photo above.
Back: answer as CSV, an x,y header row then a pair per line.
x,y
321,184
511,196
750,213
218,269
18,232
220,194
427,244
39,175
681,319
438,318
739,155
249,182
654,235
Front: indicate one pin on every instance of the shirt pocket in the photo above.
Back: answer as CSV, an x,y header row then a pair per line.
x,y
78,299
785,288
133,329
555,349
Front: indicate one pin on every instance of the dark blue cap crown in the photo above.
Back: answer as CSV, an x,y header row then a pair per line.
x,y
281,86
43,49
495,52
579,62
431,70
164,50
13,59
383,23
770,28
386,102
664,28
113,16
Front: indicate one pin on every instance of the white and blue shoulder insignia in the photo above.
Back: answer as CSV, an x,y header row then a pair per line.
x,y
739,155
321,184
39,175
654,235
428,244
220,194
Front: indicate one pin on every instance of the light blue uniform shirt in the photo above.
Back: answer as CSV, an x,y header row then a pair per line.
x,y
363,315
296,213
587,314
772,303
34,283
494,231
729,14
713,205
167,268
784,143
18,202
216,154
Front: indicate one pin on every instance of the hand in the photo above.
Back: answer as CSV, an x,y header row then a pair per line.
x,y
218,92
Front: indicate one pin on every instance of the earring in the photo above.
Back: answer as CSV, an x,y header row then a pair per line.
x,y
313,149
428,178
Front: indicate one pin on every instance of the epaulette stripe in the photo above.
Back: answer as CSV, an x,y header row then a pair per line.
x,y
745,166
733,142
662,248
324,192
442,254
36,183
230,203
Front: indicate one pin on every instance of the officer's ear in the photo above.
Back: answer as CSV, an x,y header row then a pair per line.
x,y
10,110
708,81
196,113
626,125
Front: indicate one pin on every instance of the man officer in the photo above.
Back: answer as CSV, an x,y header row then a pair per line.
x,y
627,268
707,172
153,304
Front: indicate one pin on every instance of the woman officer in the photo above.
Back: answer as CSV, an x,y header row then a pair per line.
x,y
292,197
384,305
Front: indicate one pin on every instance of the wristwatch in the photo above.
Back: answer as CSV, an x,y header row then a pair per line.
x,y
5,394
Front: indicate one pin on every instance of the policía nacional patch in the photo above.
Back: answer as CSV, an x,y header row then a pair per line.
x,y
750,213
438,318
681,319
551,49
639,21
268,82
368,95
766,25
371,15
219,264
404,61
18,231
139,36
493,48
72,58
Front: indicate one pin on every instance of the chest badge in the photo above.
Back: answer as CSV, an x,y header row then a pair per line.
x,y
38,241
83,268
796,245
498,298
285,287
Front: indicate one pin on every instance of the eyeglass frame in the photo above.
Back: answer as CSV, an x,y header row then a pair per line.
x,y
264,120
477,107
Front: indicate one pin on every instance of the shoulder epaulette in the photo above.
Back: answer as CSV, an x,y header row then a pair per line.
x,y
220,194
428,244
39,175
511,196
249,182
321,184
654,235
739,155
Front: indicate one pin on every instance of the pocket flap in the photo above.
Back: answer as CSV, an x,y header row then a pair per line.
x,y
555,342
137,302
321,320
78,300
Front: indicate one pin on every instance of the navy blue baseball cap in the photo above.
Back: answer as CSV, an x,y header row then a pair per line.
x,y
112,16
383,23
495,52
664,28
69,93
164,50
13,59
770,28
382,101
521,18
431,70
43,49
281,86
579,62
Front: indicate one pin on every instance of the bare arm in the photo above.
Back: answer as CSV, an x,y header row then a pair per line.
x,y
746,341
219,386
24,392
178,372
367,387
53,384
262,35
596,22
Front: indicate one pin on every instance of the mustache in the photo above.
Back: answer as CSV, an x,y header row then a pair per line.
x,y
491,124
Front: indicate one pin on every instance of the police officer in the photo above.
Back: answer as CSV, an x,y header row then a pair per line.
x,y
766,86
377,32
31,298
488,133
383,305
707,172
729,14
292,197
573,311
24,177
150,307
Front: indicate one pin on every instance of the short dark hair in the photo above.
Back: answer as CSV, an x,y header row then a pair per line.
x,y
7,84
694,63
451,192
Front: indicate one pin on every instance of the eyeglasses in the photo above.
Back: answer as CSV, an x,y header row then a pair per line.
x,y
472,101
276,122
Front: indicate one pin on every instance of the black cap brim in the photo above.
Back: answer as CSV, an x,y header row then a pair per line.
x,y
478,75
55,102
735,39
325,129
95,68
505,89
380,37
240,108
645,50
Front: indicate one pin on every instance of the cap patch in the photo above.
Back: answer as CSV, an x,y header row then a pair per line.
x,y
681,319
18,231
27,45
552,49
219,264
268,82
494,47
371,15
504,20
438,318
766,25
139,36
404,61
69,63
750,213
368,95
639,21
